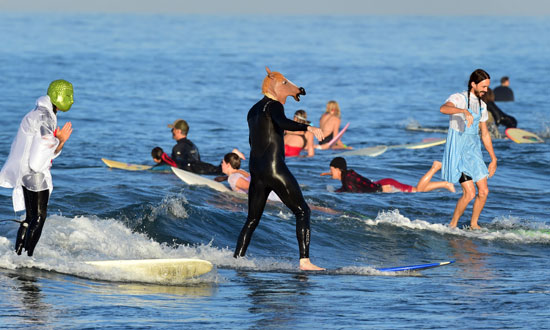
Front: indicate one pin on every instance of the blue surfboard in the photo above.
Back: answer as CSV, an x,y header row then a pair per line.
x,y
415,267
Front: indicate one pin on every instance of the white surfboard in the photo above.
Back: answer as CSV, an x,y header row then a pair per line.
x,y
195,179
370,151
156,270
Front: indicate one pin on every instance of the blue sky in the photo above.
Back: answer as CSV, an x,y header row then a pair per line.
x,y
296,7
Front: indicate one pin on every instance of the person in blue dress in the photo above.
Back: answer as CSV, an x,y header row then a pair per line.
x,y
462,159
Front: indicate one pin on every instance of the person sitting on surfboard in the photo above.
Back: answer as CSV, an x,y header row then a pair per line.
x,y
27,170
185,153
330,124
267,123
295,142
161,158
356,183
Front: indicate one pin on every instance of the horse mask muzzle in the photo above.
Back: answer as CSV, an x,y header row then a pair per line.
x,y
302,92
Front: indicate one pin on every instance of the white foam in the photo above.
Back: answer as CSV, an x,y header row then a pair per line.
x,y
67,243
527,233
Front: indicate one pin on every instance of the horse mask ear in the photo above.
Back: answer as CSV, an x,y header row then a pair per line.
x,y
269,73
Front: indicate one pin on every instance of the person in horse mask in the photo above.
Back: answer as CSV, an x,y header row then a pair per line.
x,y
267,123
27,170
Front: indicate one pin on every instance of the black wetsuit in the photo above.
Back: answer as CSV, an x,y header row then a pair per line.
x,y
36,206
500,117
503,94
187,157
267,123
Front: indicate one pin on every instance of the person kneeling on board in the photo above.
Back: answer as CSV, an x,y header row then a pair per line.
x,y
356,183
27,170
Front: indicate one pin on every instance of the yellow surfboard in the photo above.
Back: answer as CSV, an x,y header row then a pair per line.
x,y
156,270
125,166
522,136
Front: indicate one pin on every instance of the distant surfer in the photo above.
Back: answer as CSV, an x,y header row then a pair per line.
x,y
356,183
330,124
462,159
186,154
27,170
504,93
267,123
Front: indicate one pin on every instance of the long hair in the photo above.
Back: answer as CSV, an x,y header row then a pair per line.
x,y
333,106
476,77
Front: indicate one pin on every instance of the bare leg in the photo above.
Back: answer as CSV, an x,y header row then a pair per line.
x,y
482,193
468,194
425,184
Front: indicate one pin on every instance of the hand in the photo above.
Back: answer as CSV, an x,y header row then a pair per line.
x,y
63,134
469,118
492,168
317,132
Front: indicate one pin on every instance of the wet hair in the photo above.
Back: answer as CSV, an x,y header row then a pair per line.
x,y
339,163
157,152
232,159
333,105
476,77
489,96
504,79
301,116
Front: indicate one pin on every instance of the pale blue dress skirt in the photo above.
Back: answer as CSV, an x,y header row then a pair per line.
x,y
463,154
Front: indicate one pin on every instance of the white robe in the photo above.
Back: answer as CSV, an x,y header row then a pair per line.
x,y
31,153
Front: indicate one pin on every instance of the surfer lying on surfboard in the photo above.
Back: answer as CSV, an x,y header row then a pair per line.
x,y
356,183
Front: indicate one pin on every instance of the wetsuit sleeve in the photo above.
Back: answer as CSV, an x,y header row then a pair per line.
x,y
277,113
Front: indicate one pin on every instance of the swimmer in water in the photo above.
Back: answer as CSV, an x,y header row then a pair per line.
x,y
267,123
295,142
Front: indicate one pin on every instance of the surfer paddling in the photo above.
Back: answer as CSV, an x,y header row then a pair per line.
x,y
462,159
27,170
267,123
356,183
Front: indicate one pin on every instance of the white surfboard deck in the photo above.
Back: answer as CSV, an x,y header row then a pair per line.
x,y
370,151
195,179
156,270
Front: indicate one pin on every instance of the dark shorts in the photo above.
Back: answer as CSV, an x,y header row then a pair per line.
x,y
464,178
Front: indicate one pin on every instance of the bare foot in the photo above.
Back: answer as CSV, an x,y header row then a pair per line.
x,y
305,264
436,165
450,187
474,227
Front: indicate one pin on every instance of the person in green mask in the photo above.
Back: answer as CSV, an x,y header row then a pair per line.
x,y
38,141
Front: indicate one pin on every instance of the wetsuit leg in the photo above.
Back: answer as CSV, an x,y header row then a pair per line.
x,y
257,197
31,209
288,190
39,211
206,168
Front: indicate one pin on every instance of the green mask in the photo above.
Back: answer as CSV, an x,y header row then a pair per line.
x,y
61,94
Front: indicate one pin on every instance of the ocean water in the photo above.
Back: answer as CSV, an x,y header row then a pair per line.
x,y
134,74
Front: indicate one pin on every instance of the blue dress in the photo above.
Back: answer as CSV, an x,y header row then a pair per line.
x,y
463,153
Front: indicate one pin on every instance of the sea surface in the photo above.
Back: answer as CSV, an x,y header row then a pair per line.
x,y
134,74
